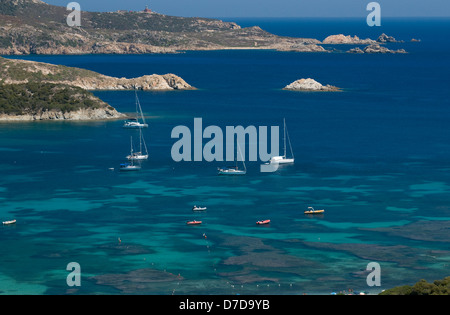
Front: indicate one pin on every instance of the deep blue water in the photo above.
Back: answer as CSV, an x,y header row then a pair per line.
x,y
375,157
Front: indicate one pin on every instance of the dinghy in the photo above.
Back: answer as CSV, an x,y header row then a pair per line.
x,y
194,222
311,210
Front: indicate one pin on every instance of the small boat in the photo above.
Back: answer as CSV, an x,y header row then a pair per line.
x,y
142,154
127,167
9,222
134,123
262,222
194,222
195,208
231,171
312,211
234,170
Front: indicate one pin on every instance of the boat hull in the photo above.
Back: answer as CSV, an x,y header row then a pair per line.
x,y
135,126
231,172
130,168
281,160
194,222
315,212
137,157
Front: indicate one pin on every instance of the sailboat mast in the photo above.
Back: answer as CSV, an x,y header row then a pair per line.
x,y
284,122
138,105
136,100
290,145
242,158
131,145
140,140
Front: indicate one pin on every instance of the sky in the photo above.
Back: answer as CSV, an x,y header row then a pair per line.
x,y
270,8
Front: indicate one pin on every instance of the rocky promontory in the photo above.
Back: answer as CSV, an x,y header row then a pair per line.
x,y
310,85
14,71
32,90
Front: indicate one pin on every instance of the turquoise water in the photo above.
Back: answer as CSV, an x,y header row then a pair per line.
x,y
375,157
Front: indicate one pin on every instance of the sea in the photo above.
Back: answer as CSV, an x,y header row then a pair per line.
x,y
375,157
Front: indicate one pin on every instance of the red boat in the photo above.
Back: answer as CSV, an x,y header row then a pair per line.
x,y
263,222
193,222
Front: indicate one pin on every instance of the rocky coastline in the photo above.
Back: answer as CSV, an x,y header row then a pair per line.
x,y
106,113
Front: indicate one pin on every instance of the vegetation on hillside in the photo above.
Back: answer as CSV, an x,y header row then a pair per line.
x,y
33,98
438,287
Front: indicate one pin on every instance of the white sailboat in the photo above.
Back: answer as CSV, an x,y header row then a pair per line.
x,y
126,167
143,152
134,123
283,159
234,170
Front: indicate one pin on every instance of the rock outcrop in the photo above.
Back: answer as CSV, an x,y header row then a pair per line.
x,y
376,49
310,85
383,38
342,39
146,83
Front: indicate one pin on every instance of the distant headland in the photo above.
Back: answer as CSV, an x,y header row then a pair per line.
x,y
24,32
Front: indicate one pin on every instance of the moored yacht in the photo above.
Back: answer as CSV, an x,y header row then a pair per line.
x,y
134,123
284,159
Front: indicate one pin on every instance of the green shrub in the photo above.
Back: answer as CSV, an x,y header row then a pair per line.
x,y
422,287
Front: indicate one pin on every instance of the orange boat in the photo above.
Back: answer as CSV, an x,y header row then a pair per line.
x,y
193,222
262,222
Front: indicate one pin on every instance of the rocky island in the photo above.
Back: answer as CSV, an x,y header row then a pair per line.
x,y
376,49
373,46
39,91
310,85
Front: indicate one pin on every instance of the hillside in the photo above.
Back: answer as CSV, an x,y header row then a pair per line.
x,y
22,31
39,91
13,71
43,101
